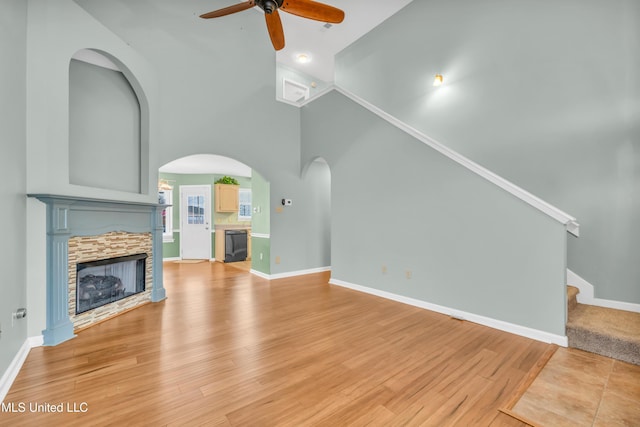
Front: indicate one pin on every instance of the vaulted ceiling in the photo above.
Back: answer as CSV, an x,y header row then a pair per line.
x,y
163,19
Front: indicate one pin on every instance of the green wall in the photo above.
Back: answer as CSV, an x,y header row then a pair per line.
x,y
544,94
260,224
261,246
172,249
12,163
260,201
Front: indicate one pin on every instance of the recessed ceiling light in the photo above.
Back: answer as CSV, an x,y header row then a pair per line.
x,y
303,58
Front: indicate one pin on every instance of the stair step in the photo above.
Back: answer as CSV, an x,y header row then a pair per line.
x,y
572,297
605,331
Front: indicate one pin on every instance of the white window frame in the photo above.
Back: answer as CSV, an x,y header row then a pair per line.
x,y
240,192
167,234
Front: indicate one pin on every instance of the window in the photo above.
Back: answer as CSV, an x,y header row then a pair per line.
x,y
244,201
166,197
195,206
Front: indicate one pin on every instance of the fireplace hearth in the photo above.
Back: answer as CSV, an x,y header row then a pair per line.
x,y
109,280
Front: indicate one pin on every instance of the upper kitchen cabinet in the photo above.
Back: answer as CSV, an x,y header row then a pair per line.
x,y
226,197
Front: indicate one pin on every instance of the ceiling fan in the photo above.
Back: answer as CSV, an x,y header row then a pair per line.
x,y
305,8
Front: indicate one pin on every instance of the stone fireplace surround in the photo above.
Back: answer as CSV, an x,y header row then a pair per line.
x,y
77,225
106,246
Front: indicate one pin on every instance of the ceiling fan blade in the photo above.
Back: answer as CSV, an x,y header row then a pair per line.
x,y
274,25
313,10
229,10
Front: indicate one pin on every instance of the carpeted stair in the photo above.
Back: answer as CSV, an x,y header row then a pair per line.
x,y
605,331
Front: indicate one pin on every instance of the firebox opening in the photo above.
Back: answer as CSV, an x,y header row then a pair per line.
x,y
105,281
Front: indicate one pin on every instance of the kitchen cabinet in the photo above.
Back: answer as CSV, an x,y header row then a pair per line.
x,y
226,197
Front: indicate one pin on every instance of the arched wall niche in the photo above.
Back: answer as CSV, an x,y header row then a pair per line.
x,y
316,161
316,175
108,124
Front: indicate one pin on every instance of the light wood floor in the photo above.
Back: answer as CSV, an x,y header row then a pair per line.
x,y
228,348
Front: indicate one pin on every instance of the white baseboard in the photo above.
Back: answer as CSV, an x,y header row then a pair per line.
x,y
299,272
12,371
290,273
586,295
260,274
171,259
462,315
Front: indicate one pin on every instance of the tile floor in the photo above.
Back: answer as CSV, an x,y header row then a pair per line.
x,y
577,388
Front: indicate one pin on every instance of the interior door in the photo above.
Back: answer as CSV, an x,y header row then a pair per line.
x,y
195,221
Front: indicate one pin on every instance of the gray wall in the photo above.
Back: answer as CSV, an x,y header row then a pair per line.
x,y
104,129
218,96
400,205
545,94
12,163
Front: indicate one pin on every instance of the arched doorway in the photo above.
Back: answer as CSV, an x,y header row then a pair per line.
x,y
195,225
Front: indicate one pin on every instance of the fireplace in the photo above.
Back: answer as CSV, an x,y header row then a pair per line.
x,y
109,274
84,236
109,280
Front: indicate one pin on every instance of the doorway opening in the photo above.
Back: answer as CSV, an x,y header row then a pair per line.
x,y
206,196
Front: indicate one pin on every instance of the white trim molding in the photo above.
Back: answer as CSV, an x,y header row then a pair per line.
x,y
259,274
569,222
586,295
461,315
290,273
261,235
12,371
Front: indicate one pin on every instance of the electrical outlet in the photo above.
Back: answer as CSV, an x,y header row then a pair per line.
x,y
260,256
278,260
384,269
408,274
